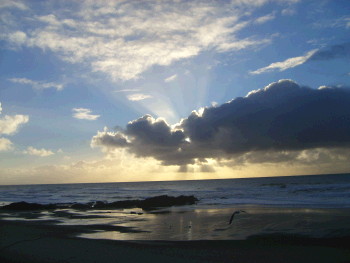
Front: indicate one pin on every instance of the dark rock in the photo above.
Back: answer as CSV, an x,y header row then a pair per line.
x,y
147,204
125,204
106,205
166,201
80,206
99,205
24,206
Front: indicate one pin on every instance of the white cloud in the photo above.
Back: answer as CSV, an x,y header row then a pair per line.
x,y
288,11
286,64
84,114
38,152
37,84
171,78
10,124
242,44
12,4
125,38
264,19
5,144
340,22
138,96
18,37
127,90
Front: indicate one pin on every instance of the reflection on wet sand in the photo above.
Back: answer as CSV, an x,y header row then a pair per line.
x,y
211,224
191,223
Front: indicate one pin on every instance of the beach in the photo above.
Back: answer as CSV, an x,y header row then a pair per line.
x,y
176,234
175,131
285,219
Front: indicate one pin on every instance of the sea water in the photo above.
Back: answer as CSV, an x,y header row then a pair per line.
x,y
317,191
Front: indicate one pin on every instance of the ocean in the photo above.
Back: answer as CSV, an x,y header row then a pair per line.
x,y
316,191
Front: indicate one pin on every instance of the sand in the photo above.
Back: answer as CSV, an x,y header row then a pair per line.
x,y
38,237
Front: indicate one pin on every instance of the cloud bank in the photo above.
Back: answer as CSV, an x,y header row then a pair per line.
x,y
125,38
279,120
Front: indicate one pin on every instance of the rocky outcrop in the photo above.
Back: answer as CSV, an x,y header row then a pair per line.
x,y
24,206
167,201
146,204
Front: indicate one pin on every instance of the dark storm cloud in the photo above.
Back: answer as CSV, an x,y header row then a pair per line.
x,y
332,52
280,117
147,131
109,140
147,137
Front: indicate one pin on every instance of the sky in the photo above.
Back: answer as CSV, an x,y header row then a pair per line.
x,y
116,91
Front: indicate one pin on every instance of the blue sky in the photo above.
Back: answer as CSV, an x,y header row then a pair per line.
x,y
73,73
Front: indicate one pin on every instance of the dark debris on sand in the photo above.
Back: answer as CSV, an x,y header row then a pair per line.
x,y
146,204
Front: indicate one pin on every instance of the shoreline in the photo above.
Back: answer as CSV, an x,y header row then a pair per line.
x,y
192,222
176,234
28,241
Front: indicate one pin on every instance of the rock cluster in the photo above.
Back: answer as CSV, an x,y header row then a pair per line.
x,y
146,204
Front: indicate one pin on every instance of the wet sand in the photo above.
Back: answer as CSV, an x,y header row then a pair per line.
x,y
262,234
